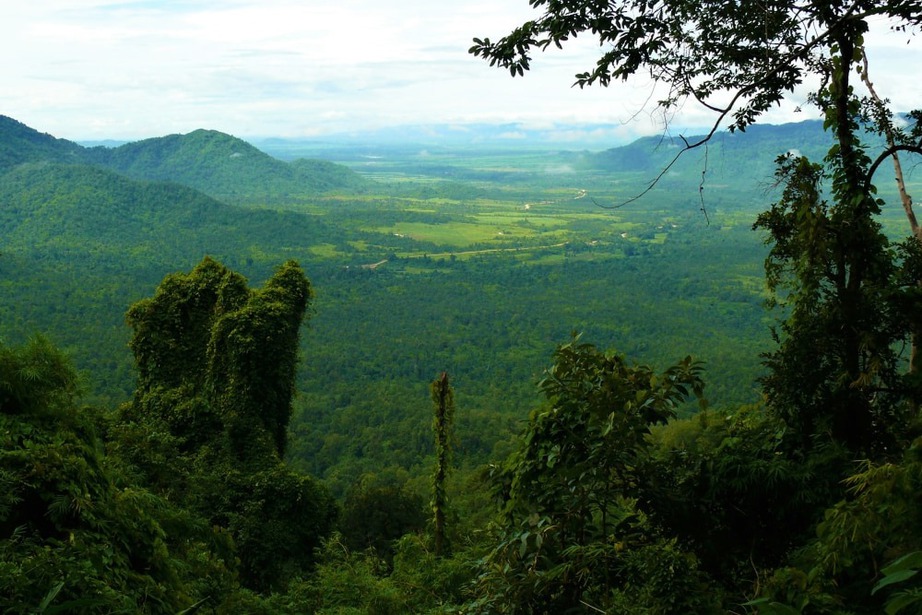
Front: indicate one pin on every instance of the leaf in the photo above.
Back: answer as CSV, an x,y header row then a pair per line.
x,y
768,607
195,607
896,577
901,601
51,595
523,544
910,561
899,570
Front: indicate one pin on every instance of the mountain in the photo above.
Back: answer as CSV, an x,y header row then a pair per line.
x,y
727,156
57,208
97,216
223,166
20,144
219,165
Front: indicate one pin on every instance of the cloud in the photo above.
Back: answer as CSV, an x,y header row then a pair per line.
x,y
129,69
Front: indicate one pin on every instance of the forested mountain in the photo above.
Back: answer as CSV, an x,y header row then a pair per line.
x,y
737,156
57,209
20,144
223,166
215,163
94,214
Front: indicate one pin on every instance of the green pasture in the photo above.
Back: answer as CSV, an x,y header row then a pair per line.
x,y
455,234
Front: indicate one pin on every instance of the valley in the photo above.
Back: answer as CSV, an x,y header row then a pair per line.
x,y
423,260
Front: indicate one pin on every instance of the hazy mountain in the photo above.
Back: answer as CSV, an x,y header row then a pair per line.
x,y
735,156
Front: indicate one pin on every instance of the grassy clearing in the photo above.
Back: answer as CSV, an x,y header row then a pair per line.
x,y
325,250
454,234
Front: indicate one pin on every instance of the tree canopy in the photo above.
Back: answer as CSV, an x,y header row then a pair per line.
x,y
736,59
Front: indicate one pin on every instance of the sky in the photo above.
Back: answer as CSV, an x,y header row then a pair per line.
x,y
132,69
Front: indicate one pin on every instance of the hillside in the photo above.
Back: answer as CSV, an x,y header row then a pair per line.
x,y
224,167
737,157
217,164
20,144
75,208
474,264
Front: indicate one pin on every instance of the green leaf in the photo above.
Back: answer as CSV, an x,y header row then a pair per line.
x,y
910,561
896,577
766,606
901,600
52,593
195,607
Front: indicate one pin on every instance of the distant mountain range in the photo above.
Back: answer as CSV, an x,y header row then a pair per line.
x,y
742,159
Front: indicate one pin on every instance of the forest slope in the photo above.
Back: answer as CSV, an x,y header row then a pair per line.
x,y
215,163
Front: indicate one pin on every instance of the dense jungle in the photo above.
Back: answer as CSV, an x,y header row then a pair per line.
x,y
303,377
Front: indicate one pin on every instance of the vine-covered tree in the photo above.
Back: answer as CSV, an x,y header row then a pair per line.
x,y
443,399
230,351
216,364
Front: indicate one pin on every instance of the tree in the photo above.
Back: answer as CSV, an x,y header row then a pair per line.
x,y
76,534
228,351
571,534
737,60
836,369
208,424
444,400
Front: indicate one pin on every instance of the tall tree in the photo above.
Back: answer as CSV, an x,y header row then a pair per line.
x,y
443,398
208,424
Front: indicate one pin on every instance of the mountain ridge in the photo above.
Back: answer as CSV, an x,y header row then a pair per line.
x,y
215,163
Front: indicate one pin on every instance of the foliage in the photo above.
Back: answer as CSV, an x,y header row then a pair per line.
x,y
442,426
898,572
843,566
216,365
571,534
734,488
825,377
418,581
374,516
74,534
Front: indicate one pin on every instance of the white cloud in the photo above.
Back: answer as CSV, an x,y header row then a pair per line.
x,y
138,68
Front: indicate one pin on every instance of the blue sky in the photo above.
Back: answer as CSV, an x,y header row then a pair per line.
x,y
121,69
